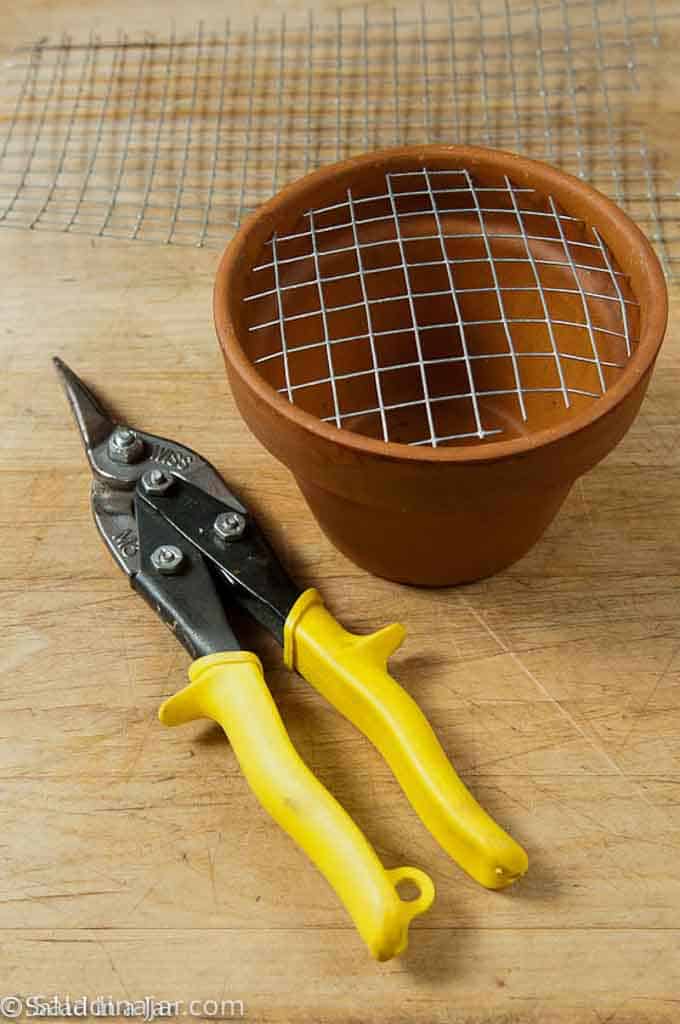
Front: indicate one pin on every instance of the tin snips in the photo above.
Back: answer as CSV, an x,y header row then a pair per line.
x,y
192,550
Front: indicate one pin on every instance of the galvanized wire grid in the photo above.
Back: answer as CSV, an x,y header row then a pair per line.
x,y
431,298
174,140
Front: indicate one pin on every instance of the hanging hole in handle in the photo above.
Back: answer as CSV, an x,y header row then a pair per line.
x,y
407,889
414,888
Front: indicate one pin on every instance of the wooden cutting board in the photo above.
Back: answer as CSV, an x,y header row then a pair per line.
x,y
135,861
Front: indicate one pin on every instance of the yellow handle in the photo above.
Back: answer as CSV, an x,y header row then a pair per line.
x,y
231,689
351,672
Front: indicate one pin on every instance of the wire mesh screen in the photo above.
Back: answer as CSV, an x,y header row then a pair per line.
x,y
175,139
444,307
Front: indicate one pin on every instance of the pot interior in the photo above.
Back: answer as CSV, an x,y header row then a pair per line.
x,y
437,307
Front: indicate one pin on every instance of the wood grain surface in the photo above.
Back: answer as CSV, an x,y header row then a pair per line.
x,y
134,860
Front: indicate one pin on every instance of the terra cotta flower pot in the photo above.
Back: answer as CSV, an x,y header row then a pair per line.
x,y
438,341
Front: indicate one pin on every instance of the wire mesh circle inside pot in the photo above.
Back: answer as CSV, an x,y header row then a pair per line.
x,y
438,341
439,305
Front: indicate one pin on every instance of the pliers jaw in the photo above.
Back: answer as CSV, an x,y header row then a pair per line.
x,y
189,507
119,457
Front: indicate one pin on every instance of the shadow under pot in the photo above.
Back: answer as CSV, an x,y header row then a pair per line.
x,y
438,341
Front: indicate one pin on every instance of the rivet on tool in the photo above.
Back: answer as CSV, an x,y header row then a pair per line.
x,y
167,559
229,525
155,481
125,446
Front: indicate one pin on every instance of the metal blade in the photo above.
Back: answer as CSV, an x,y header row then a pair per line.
x,y
94,424
97,429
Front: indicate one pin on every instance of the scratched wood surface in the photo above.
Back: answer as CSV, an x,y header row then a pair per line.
x,y
134,860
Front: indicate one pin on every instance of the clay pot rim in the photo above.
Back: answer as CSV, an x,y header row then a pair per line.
x,y
632,250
